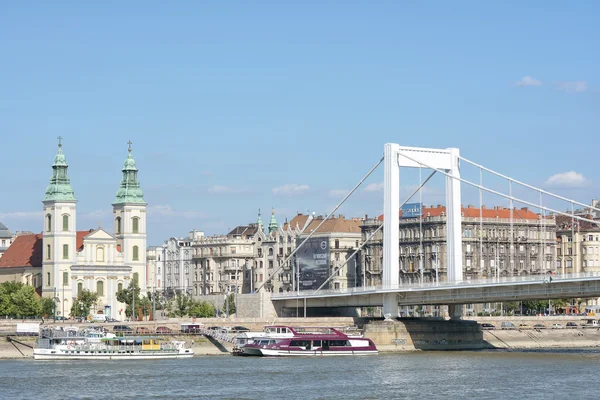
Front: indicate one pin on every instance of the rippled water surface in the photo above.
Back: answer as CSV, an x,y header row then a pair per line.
x,y
431,375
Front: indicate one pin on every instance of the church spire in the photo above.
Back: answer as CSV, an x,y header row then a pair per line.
x,y
259,221
273,222
129,191
60,188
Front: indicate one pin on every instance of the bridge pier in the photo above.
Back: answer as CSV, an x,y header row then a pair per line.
x,y
455,311
390,306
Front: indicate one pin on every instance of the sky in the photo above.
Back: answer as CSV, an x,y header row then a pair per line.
x,y
240,106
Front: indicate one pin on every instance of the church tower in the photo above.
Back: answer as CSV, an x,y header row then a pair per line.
x,y
59,234
129,212
273,222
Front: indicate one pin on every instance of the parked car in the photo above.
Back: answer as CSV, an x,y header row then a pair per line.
x,y
539,326
163,329
571,325
240,329
508,325
557,326
488,326
524,326
123,329
142,330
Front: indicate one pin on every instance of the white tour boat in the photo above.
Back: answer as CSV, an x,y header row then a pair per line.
x,y
71,343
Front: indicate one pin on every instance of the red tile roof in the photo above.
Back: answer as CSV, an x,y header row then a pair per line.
x,y
472,212
25,251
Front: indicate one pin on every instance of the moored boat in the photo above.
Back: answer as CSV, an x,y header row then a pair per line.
x,y
301,341
70,343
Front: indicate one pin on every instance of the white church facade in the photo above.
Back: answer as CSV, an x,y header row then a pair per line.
x,y
95,260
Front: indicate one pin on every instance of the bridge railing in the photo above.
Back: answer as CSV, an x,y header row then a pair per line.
x,y
540,278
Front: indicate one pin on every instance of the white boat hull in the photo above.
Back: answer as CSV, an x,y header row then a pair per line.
x,y
253,351
52,354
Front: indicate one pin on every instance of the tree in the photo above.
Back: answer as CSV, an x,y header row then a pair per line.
x,y
47,306
181,304
84,302
25,302
127,295
201,309
231,300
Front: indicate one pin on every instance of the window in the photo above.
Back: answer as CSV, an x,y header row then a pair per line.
x,y
119,287
65,251
233,250
270,251
48,252
48,223
65,278
100,254
79,288
118,223
100,288
135,224
48,279
136,256
136,277
337,256
270,264
65,222
337,244
259,252
468,262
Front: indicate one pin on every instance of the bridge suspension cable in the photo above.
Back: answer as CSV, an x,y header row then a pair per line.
x,y
511,197
373,234
523,184
318,226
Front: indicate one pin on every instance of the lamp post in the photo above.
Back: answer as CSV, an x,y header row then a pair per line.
x,y
63,295
54,304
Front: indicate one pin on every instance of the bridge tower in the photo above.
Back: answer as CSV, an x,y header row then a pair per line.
x,y
395,157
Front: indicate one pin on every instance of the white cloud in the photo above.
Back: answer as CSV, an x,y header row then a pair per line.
x,y
167,210
573,87
570,179
290,189
528,81
374,187
219,189
338,192
22,215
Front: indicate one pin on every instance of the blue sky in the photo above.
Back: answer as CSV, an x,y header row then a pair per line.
x,y
235,107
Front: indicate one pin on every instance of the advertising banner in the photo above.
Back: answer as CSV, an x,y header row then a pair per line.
x,y
412,210
313,263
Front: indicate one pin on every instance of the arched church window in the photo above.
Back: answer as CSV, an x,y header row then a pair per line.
x,y
100,254
65,222
136,277
119,287
48,223
48,252
65,278
270,251
135,222
136,255
118,223
65,251
48,279
100,288
79,288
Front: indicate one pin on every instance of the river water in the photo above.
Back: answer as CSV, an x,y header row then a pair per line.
x,y
431,375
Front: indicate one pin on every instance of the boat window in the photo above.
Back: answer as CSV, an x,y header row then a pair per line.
x,y
316,343
338,343
146,342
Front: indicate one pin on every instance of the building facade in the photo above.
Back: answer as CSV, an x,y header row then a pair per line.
x,y
62,261
6,238
496,242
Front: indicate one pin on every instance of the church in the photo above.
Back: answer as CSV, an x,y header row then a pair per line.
x,y
61,261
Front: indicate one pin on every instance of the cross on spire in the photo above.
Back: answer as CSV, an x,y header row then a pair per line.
x,y
60,141
130,143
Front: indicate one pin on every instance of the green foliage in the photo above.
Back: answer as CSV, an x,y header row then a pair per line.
x,y
181,304
18,300
47,306
201,309
82,305
127,295
231,300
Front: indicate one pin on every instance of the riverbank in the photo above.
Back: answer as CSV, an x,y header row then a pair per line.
x,y
396,336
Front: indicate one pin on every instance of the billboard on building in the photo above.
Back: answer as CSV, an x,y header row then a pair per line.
x,y
412,210
313,263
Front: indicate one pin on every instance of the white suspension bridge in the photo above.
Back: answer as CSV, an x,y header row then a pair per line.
x,y
455,291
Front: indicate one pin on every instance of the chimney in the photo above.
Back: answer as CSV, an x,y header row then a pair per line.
x,y
470,206
483,207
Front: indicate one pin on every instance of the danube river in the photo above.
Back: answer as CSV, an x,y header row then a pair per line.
x,y
430,375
